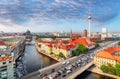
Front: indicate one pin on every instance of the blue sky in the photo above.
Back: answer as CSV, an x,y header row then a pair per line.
x,y
59,15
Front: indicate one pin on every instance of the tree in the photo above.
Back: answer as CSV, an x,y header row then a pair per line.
x,y
81,48
111,69
117,69
104,68
98,41
39,45
61,55
119,43
75,53
51,53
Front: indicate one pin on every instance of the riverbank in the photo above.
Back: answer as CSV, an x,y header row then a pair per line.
x,y
98,71
46,54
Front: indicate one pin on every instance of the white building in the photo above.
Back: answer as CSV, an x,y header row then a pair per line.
x,y
104,33
104,30
7,69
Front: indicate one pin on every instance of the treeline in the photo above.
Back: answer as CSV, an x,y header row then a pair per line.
x,y
115,70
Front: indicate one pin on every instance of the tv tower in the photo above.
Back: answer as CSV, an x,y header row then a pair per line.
x,y
89,20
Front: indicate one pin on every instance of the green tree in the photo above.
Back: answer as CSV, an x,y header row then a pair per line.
x,y
111,69
117,69
119,43
104,68
81,48
53,37
51,53
75,53
39,45
98,41
37,37
62,55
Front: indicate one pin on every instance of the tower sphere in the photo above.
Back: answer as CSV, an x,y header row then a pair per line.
x,y
89,17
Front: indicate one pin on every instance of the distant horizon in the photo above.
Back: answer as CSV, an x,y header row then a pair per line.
x,y
55,32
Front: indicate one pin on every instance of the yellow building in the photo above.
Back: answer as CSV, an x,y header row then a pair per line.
x,y
110,55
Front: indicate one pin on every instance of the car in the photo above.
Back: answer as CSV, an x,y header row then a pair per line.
x,y
78,64
69,67
68,71
79,60
53,70
63,75
63,70
58,73
54,75
50,77
63,62
67,62
40,74
45,74
46,77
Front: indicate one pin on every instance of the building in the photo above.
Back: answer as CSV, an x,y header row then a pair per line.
x,y
28,36
10,50
104,33
7,66
85,33
104,30
109,55
85,41
64,46
3,47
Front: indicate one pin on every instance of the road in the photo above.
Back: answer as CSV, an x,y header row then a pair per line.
x,y
64,69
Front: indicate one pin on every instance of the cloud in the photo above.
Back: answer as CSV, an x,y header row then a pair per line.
x,y
48,11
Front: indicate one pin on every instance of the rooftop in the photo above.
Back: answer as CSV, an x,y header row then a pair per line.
x,y
109,53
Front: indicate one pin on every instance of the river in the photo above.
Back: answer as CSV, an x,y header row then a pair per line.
x,y
89,75
32,61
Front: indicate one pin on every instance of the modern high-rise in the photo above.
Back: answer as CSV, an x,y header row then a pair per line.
x,y
104,33
104,30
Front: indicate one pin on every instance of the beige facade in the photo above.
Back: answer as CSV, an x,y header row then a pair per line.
x,y
98,61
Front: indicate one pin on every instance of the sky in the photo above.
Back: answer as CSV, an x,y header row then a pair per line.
x,y
59,15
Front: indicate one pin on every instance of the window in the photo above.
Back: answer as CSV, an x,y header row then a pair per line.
x,y
4,62
10,61
3,67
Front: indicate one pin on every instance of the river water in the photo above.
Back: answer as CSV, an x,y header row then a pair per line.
x,y
32,61
89,75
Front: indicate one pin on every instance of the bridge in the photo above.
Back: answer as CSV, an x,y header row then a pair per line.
x,y
74,74
79,71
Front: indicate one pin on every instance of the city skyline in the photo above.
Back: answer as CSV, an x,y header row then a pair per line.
x,y
58,15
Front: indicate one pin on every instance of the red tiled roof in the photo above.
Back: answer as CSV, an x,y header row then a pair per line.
x,y
84,41
2,43
108,53
3,59
75,35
